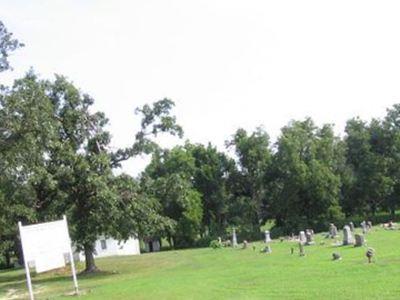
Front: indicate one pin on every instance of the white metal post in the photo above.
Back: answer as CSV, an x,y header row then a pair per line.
x,y
71,258
28,274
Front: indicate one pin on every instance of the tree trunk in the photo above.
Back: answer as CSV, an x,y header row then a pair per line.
x,y
171,244
393,213
89,260
7,259
18,251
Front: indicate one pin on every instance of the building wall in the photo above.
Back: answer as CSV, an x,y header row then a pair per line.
x,y
110,247
155,244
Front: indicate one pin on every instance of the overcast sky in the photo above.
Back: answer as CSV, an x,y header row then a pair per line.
x,y
226,64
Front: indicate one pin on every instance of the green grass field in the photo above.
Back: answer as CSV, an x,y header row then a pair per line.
x,y
232,274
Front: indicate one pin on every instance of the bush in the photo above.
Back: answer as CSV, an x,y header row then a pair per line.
x,y
203,242
215,244
277,232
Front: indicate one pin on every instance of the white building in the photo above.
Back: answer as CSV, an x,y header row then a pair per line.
x,y
111,247
151,245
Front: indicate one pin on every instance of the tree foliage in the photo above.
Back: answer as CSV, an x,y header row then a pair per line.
x,y
8,44
56,150
169,179
248,181
306,186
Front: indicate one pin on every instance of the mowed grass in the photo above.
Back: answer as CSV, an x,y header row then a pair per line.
x,y
232,274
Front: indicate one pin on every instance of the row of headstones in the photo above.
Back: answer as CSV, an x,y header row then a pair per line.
x,y
348,230
234,237
307,237
365,226
267,240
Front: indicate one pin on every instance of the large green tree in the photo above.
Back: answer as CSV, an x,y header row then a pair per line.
x,y
306,186
26,125
84,165
247,182
212,170
60,150
9,182
169,178
390,146
370,184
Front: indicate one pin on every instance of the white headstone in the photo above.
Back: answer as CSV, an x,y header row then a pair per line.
x,y
332,230
369,225
310,237
351,224
234,238
302,237
364,227
347,236
267,236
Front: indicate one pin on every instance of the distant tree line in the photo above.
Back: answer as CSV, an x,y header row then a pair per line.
x,y
55,159
307,179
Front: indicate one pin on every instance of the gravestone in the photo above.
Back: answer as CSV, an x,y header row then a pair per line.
x,y
370,254
332,231
336,256
267,249
245,244
310,237
347,236
364,227
234,238
390,225
369,225
267,236
302,237
360,240
351,224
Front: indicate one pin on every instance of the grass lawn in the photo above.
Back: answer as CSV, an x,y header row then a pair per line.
x,y
232,274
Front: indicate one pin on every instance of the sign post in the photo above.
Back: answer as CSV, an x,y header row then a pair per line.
x,y
27,272
46,245
71,259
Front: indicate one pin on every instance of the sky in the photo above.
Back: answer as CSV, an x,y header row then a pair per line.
x,y
226,63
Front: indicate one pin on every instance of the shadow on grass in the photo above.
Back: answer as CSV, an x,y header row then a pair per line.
x,y
17,281
11,278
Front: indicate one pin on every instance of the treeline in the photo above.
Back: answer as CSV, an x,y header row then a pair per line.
x,y
307,179
55,159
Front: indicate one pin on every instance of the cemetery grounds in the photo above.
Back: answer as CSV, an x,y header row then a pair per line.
x,y
229,273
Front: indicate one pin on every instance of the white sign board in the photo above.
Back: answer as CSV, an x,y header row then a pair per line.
x,y
46,245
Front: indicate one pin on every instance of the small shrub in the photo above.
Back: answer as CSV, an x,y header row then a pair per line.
x,y
203,242
215,244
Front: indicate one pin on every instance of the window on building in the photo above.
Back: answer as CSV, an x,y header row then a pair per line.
x,y
103,244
